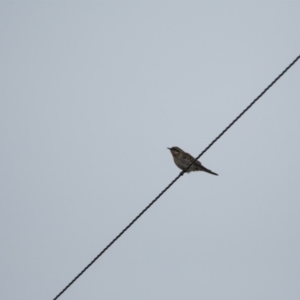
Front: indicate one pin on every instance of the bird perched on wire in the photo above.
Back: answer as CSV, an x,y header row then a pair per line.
x,y
183,160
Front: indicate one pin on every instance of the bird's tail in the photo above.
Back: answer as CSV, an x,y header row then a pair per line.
x,y
209,171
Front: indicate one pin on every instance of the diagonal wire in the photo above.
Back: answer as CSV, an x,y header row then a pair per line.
x,y
180,174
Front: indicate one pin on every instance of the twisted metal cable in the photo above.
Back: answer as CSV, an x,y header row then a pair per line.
x,y
180,174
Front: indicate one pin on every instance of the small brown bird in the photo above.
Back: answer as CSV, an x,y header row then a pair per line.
x,y
183,160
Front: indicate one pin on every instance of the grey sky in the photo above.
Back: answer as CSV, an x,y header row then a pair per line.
x,y
92,94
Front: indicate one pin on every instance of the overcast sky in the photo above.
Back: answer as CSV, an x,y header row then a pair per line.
x,y
92,94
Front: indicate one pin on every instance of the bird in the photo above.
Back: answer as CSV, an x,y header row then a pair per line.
x,y
183,160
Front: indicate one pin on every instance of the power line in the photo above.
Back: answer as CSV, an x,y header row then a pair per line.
x,y
180,174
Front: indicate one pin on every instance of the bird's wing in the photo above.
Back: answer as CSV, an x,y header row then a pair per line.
x,y
198,164
191,159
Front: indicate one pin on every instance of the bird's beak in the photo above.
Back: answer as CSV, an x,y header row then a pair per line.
x,y
169,148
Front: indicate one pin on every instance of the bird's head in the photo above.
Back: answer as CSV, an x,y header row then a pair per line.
x,y
175,151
